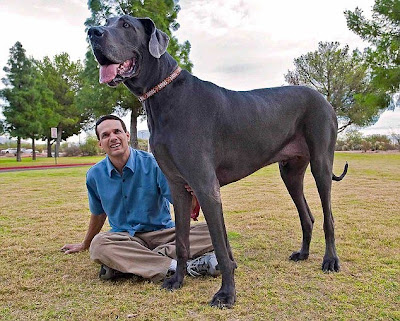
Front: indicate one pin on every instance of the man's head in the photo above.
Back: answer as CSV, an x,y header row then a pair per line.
x,y
113,136
106,117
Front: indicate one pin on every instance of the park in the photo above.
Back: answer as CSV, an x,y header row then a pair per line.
x,y
44,186
43,209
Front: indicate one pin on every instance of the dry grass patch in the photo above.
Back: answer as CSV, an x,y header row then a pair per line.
x,y
42,210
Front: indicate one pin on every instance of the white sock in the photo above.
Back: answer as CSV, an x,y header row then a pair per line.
x,y
172,267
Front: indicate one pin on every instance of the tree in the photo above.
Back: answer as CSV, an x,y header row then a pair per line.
x,y
343,78
99,99
1,127
23,96
383,33
62,77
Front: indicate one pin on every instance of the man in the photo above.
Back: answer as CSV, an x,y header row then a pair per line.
x,y
129,188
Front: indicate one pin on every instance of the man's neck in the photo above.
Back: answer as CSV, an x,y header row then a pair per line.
x,y
120,161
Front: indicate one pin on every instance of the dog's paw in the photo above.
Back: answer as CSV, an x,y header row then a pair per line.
x,y
172,283
298,256
330,264
223,300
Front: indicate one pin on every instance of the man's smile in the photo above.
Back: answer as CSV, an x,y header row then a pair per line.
x,y
115,145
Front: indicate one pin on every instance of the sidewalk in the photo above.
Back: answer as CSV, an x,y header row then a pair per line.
x,y
49,166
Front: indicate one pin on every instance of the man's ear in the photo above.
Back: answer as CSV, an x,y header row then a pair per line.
x,y
158,40
128,135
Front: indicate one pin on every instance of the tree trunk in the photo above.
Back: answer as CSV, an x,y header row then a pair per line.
x,y
133,132
33,149
18,149
49,147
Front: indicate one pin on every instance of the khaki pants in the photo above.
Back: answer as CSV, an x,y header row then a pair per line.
x,y
147,254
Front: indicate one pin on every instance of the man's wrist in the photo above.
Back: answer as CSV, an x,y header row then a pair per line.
x,y
85,245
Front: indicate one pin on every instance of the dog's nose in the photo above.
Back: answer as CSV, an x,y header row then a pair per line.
x,y
95,32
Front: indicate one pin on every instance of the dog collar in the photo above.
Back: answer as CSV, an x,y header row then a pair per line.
x,y
161,85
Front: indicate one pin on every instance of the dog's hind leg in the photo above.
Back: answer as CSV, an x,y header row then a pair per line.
x,y
292,173
321,168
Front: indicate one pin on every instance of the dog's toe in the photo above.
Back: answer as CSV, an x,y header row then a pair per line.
x,y
331,265
223,300
172,284
298,256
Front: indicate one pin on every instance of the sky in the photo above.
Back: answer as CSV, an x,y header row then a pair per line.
x,y
237,44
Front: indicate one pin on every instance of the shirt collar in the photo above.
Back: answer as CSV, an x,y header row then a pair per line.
x,y
130,163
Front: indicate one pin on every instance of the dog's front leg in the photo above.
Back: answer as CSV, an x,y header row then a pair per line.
x,y
182,203
212,208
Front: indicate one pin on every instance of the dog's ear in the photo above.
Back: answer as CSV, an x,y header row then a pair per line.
x,y
158,40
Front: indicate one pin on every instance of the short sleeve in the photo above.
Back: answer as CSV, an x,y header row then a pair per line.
x,y
94,200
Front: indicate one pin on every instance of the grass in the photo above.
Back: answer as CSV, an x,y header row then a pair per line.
x,y
8,161
42,210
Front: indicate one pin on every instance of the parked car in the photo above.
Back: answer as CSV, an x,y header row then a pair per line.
x,y
8,151
30,151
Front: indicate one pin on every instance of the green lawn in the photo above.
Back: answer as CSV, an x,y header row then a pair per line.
x,y
7,161
44,209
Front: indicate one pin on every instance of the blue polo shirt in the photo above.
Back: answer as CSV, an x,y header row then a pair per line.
x,y
136,201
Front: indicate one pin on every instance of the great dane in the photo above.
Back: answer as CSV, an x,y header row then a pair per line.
x,y
206,137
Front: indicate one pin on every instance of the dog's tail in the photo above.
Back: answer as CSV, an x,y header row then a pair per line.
x,y
339,178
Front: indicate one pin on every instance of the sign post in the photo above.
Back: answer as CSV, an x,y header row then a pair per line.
x,y
54,135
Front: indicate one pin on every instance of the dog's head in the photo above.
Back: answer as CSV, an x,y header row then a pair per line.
x,y
121,45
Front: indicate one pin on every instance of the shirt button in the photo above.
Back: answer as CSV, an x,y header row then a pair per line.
x,y
126,196
123,180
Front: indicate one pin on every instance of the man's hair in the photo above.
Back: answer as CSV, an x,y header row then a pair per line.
x,y
106,117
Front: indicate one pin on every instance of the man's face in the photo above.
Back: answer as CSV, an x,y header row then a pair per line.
x,y
113,139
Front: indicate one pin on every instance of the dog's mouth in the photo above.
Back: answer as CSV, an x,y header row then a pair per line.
x,y
112,74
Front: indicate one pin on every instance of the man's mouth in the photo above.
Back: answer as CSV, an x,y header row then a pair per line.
x,y
113,74
115,145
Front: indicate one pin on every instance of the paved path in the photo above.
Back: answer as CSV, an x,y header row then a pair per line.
x,y
49,166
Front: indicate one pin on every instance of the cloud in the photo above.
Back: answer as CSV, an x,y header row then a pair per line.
x,y
69,10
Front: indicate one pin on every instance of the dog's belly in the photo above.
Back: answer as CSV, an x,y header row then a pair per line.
x,y
232,170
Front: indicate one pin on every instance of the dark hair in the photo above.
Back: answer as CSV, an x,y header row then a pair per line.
x,y
106,117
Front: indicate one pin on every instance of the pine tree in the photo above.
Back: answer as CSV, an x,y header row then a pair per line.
x,y
22,109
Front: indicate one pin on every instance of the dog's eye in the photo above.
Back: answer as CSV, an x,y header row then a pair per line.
x,y
126,25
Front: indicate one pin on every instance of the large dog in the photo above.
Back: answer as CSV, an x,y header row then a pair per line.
x,y
206,136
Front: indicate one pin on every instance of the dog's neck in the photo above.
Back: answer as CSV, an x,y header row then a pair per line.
x,y
158,70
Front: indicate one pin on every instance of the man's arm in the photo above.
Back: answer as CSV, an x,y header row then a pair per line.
x,y
95,225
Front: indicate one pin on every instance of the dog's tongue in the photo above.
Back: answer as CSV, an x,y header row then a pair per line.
x,y
108,73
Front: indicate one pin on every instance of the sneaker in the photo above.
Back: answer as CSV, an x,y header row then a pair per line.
x,y
107,273
203,265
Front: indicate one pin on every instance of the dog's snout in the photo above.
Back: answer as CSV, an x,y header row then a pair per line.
x,y
95,32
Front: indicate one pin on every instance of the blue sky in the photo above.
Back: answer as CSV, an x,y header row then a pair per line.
x,y
237,44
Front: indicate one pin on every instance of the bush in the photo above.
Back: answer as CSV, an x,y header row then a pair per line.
x,y
354,140
72,150
90,147
143,144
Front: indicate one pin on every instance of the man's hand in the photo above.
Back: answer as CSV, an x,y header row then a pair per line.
x,y
195,210
73,248
95,225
